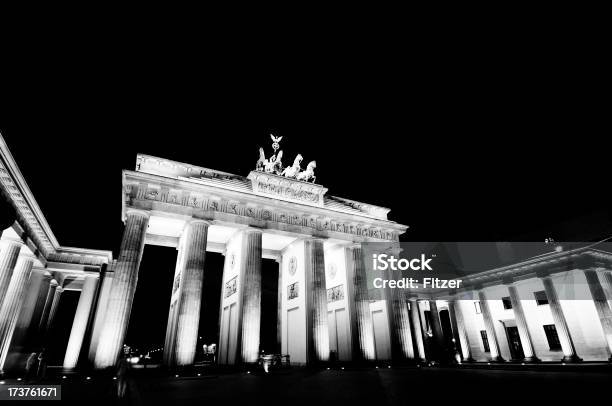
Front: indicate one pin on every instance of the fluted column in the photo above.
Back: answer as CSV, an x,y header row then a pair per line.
x,y
169,358
57,296
418,331
601,305
436,327
24,334
521,324
251,296
608,286
362,330
192,277
399,321
42,325
316,302
12,302
41,303
9,251
401,333
464,341
490,328
101,306
79,325
123,289
565,338
279,310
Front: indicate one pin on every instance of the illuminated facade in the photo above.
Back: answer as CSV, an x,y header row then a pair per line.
x,y
511,313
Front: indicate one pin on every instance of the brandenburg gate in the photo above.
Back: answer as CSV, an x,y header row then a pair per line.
x,y
274,212
511,312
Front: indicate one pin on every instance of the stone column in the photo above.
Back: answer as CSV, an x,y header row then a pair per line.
x,y
362,329
453,323
123,289
436,327
399,320
464,341
567,344
41,303
601,305
79,325
279,310
490,328
418,330
42,325
12,302
401,336
9,251
169,355
608,283
24,334
521,324
53,311
192,278
250,301
101,306
316,302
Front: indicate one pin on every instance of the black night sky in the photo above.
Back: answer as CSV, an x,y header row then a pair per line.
x,y
484,144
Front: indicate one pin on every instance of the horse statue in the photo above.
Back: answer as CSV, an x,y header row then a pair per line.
x,y
262,161
274,164
292,171
278,165
308,174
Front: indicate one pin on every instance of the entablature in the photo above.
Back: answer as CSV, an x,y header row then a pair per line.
x,y
158,193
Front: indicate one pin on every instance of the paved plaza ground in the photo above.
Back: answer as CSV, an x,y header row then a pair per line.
x,y
395,386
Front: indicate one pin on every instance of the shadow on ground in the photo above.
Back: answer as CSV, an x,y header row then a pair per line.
x,y
397,386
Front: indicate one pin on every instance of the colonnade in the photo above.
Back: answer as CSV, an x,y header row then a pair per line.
x,y
103,310
600,294
29,300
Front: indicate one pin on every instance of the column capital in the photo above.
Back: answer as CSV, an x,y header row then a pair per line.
x,y
595,269
252,230
315,238
508,281
53,282
137,212
59,289
544,274
26,254
11,241
194,220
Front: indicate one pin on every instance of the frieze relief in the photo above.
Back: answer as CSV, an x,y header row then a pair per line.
x,y
287,190
195,200
284,188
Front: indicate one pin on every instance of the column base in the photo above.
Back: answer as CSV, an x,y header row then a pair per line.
x,y
498,359
571,359
531,360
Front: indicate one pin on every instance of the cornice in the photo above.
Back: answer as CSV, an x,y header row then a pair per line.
x,y
133,179
166,168
22,199
33,221
555,262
